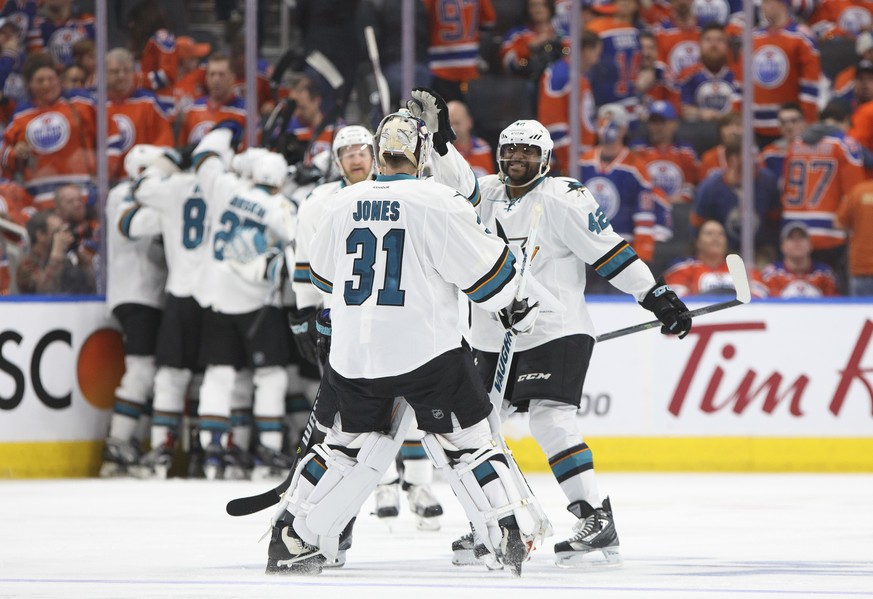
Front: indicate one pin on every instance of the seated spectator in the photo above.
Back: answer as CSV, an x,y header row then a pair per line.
x,y
708,89
796,275
475,150
85,57
72,78
729,125
221,102
855,214
672,166
51,140
56,263
707,272
717,198
70,208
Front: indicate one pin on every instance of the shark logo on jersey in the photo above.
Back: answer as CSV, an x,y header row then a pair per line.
x,y
48,132
770,66
683,55
606,194
127,130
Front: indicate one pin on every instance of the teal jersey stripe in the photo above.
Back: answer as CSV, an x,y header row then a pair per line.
x,y
616,262
320,282
495,280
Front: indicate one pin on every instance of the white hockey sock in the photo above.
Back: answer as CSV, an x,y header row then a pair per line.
x,y
215,397
171,385
417,472
269,407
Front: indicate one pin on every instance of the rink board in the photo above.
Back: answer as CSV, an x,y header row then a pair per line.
x,y
772,386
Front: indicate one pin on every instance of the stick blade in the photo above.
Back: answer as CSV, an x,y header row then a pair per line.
x,y
740,277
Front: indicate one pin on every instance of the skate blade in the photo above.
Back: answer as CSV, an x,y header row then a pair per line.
x,y
427,524
111,470
235,473
339,562
212,472
151,472
598,558
464,557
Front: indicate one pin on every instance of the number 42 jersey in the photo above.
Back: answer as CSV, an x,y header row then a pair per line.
x,y
391,254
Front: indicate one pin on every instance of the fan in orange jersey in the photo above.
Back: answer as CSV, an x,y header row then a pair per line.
x,y
135,111
191,76
862,119
655,81
796,275
707,272
730,125
678,37
791,125
553,108
16,204
51,140
820,169
220,104
518,43
475,150
708,89
154,47
847,18
785,66
856,216
454,42
672,167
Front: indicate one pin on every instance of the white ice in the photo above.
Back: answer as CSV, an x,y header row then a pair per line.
x,y
682,535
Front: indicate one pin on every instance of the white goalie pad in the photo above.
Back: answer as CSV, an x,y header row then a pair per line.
x,y
342,490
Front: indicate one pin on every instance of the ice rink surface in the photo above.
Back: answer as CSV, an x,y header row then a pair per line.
x,y
682,536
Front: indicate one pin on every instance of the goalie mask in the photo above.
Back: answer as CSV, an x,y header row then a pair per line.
x,y
349,139
401,134
527,143
269,169
140,157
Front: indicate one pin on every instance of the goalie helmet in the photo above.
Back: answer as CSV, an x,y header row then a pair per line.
x,y
401,134
140,157
350,136
526,133
269,169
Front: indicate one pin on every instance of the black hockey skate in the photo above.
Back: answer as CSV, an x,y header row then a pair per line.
x,y
595,542
269,463
387,500
238,463
466,552
157,462
514,549
289,554
424,505
119,457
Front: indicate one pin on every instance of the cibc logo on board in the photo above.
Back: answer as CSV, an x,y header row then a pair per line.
x,y
98,368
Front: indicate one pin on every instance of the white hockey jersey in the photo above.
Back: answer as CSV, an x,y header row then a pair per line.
x,y
573,231
392,253
184,226
309,217
232,203
136,268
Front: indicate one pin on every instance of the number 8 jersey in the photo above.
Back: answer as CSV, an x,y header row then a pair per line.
x,y
391,255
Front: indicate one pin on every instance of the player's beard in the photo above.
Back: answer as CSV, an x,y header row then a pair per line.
x,y
520,172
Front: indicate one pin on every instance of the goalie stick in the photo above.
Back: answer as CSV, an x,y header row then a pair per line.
x,y
381,82
243,506
740,278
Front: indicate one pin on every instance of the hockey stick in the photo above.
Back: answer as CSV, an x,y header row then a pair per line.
x,y
244,506
381,82
740,278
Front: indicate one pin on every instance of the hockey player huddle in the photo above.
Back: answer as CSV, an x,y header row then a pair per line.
x,y
377,262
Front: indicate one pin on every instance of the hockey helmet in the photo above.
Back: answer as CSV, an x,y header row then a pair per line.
x,y
140,157
526,133
401,134
242,163
269,169
352,135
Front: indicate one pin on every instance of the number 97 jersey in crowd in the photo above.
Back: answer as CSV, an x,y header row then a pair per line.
x,y
391,254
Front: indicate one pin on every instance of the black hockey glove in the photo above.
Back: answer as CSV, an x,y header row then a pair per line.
x,y
430,107
519,316
305,336
322,326
670,310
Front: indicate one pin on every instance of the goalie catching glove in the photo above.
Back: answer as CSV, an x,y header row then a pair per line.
x,y
430,107
663,302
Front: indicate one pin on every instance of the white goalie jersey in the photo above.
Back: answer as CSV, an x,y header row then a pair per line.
x,y
392,254
309,216
573,232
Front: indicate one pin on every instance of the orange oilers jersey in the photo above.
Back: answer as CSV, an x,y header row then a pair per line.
x,y
786,68
454,36
140,120
553,111
304,133
158,65
203,115
515,48
693,277
712,160
62,138
818,281
856,214
654,12
678,47
815,180
673,169
841,17
862,125
15,203
479,156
